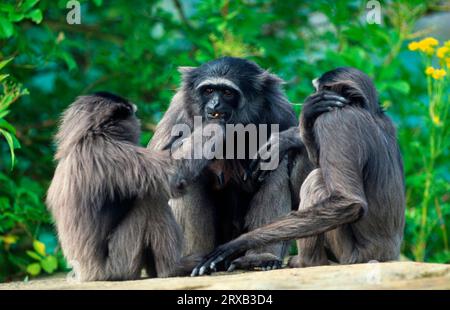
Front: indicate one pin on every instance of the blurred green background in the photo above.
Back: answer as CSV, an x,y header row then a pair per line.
x,y
133,48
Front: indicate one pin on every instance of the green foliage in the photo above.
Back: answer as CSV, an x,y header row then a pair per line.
x,y
10,93
134,47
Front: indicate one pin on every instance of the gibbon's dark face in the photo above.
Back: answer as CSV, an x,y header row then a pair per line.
x,y
228,89
219,101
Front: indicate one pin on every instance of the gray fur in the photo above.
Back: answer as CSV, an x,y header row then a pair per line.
x,y
109,196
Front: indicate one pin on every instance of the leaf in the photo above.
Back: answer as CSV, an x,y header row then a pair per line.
x,y
3,76
28,4
16,142
4,113
39,247
49,264
36,16
68,59
15,17
3,63
10,141
34,269
34,255
6,28
400,86
6,125
98,2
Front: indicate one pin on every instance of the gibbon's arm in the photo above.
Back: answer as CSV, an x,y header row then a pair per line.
x,y
296,138
314,106
189,168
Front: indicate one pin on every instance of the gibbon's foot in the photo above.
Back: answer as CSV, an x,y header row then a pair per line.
x,y
263,261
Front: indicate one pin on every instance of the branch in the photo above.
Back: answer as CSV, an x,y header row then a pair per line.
x,y
93,31
179,8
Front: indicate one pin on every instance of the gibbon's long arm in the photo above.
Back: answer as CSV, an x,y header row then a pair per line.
x,y
290,139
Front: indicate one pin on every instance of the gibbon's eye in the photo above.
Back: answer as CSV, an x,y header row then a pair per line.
x,y
209,91
228,93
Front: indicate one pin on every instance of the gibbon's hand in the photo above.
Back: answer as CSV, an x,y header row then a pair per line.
x,y
270,150
222,255
319,103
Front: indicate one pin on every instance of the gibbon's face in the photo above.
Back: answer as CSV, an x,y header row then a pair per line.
x,y
227,90
218,101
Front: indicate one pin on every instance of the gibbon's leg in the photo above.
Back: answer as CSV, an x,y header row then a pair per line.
x,y
166,240
271,201
311,250
128,244
194,213
147,237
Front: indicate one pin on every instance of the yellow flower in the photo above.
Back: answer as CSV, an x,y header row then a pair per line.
x,y
447,43
439,74
428,50
9,239
429,70
436,120
413,46
425,45
430,41
442,51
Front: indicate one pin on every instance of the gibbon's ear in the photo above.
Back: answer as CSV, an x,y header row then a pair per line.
x,y
268,78
122,110
186,70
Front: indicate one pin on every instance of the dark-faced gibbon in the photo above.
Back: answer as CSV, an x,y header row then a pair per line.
x,y
352,205
106,229
222,204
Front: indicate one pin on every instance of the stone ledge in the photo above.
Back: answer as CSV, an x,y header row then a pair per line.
x,y
394,275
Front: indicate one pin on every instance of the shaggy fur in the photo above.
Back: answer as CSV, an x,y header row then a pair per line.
x,y
109,196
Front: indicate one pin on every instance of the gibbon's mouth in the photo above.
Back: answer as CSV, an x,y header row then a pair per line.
x,y
216,115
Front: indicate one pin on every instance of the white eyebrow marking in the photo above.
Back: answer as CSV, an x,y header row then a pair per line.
x,y
219,81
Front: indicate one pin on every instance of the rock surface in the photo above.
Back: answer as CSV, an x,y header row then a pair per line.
x,y
395,275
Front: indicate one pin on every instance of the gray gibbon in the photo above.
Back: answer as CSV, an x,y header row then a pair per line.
x,y
109,196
